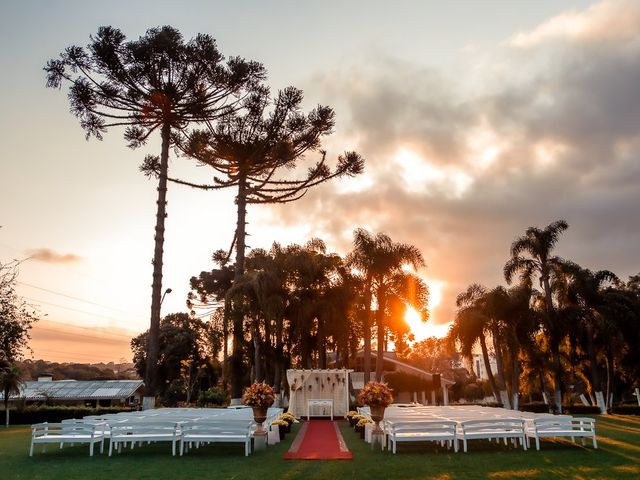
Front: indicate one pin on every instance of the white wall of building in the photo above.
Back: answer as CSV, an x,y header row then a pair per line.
x,y
479,368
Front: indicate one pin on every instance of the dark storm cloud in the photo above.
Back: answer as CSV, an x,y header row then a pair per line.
x,y
568,126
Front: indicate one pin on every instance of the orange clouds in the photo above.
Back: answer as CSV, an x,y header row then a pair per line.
x,y
48,255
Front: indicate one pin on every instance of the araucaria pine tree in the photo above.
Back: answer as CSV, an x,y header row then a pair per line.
x,y
156,83
256,150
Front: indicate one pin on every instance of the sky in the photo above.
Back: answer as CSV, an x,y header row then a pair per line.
x,y
475,119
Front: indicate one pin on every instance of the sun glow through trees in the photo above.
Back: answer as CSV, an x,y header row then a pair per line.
x,y
430,328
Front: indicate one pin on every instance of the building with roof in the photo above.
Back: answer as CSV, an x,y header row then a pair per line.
x,y
391,364
103,393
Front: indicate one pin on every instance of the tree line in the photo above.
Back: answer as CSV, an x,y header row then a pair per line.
x,y
280,306
302,307
556,327
217,112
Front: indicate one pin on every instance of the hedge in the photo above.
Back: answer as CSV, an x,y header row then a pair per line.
x,y
534,407
581,409
31,415
626,410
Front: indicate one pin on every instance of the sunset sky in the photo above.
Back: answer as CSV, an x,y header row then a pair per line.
x,y
476,120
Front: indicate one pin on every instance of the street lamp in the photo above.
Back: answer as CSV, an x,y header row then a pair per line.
x,y
168,290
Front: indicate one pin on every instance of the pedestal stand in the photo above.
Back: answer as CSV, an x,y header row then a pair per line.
x,y
260,440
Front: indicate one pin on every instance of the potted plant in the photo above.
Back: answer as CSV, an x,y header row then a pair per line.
x,y
289,419
361,424
351,416
260,397
282,427
355,419
377,396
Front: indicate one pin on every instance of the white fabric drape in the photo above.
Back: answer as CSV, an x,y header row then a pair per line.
x,y
306,385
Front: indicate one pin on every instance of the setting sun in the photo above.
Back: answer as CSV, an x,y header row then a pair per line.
x,y
422,330
430,328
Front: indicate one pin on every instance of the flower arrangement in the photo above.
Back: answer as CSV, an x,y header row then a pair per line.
x,y
288,417
352,417
363,421
353,421
375,393
258,395
283,428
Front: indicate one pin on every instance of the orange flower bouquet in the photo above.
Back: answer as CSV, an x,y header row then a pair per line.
x,y
258,395
375,393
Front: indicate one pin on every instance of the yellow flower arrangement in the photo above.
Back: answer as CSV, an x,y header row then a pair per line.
x,y
375,393
288,417
363,421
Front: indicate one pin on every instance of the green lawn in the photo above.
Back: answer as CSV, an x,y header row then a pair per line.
x,y
618,457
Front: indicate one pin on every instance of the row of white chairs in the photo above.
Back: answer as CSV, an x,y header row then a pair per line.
x,y
452,424
183,427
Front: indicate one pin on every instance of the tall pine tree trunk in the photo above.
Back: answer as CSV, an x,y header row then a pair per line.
x,y
225,345
236,310
151,374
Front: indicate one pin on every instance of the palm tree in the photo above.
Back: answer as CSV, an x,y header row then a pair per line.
x,y
520,322
531,255
156,83
315,273
470,326
381,262
361,259
10,384
597,303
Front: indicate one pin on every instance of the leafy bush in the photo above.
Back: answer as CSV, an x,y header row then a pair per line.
x,y
534,407
581,409
31,415
472,391
212,396
626,410
405,382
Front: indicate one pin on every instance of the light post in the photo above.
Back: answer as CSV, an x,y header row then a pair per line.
x,y
148,402
168,290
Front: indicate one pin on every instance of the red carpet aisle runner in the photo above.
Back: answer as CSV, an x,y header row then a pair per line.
x,y
318,440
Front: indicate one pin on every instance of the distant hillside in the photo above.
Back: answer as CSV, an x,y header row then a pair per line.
x,y
32,369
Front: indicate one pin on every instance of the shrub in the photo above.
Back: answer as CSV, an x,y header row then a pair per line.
x,y
626,410
406,382
212,396
534,407
31,415
581,409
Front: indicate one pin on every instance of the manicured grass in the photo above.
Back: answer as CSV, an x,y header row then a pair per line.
x,y
618,457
